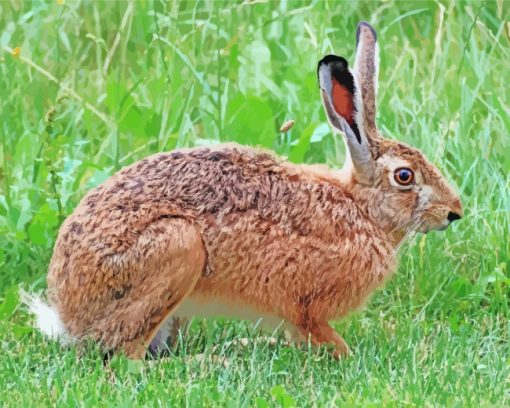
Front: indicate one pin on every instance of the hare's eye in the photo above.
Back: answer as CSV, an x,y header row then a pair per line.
x,y
404,176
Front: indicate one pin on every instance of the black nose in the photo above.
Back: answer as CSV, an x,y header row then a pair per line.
x,y
453,216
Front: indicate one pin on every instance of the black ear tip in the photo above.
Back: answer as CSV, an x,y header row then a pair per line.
x,y
365,24
335,62
338,68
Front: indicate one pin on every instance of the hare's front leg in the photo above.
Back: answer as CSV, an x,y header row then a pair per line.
x,y
164,266
320,333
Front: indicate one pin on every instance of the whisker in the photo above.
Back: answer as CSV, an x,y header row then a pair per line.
x,y
405,223
437,217
412,230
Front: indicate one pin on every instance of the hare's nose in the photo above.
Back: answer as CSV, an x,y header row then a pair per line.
x,y
453,216
456,211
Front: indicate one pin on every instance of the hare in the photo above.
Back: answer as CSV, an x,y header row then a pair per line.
x,y
234,231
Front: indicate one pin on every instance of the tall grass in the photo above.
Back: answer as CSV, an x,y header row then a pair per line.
x,y
95,86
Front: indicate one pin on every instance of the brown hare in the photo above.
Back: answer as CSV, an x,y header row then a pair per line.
x,y
234,231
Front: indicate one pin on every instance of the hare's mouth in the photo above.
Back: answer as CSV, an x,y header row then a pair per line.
x,y
426,228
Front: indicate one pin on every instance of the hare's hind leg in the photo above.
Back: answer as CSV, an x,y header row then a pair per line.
x,y
163,268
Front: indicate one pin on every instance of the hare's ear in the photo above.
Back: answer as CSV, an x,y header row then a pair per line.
x,y
344,108
366,70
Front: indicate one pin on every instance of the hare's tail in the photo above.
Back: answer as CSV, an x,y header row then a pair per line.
x,y
47,318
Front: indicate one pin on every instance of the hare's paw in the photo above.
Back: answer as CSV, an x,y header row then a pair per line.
x,y
321,333
167,338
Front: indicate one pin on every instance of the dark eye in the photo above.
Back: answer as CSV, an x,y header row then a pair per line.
x,y
404,176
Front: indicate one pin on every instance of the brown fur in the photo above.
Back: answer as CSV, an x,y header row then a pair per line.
x,y
366,72
242,227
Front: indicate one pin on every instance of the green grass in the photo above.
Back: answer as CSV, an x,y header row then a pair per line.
x,y
98,85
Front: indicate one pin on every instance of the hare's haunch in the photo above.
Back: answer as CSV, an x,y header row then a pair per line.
x,y
233,231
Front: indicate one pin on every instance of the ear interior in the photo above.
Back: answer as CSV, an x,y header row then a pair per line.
x,y
337,82
342,101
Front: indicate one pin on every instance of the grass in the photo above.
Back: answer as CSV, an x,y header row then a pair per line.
x,y
97,85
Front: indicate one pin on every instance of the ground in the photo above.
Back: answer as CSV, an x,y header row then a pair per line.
x,y
88,87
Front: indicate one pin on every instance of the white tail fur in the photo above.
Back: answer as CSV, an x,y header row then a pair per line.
x,y
47,318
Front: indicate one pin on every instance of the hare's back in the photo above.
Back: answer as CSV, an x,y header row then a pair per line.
x,y
214,187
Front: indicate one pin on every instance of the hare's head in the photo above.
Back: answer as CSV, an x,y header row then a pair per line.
x,y
398,186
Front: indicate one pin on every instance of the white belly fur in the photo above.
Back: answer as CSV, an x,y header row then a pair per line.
x,y
206,307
